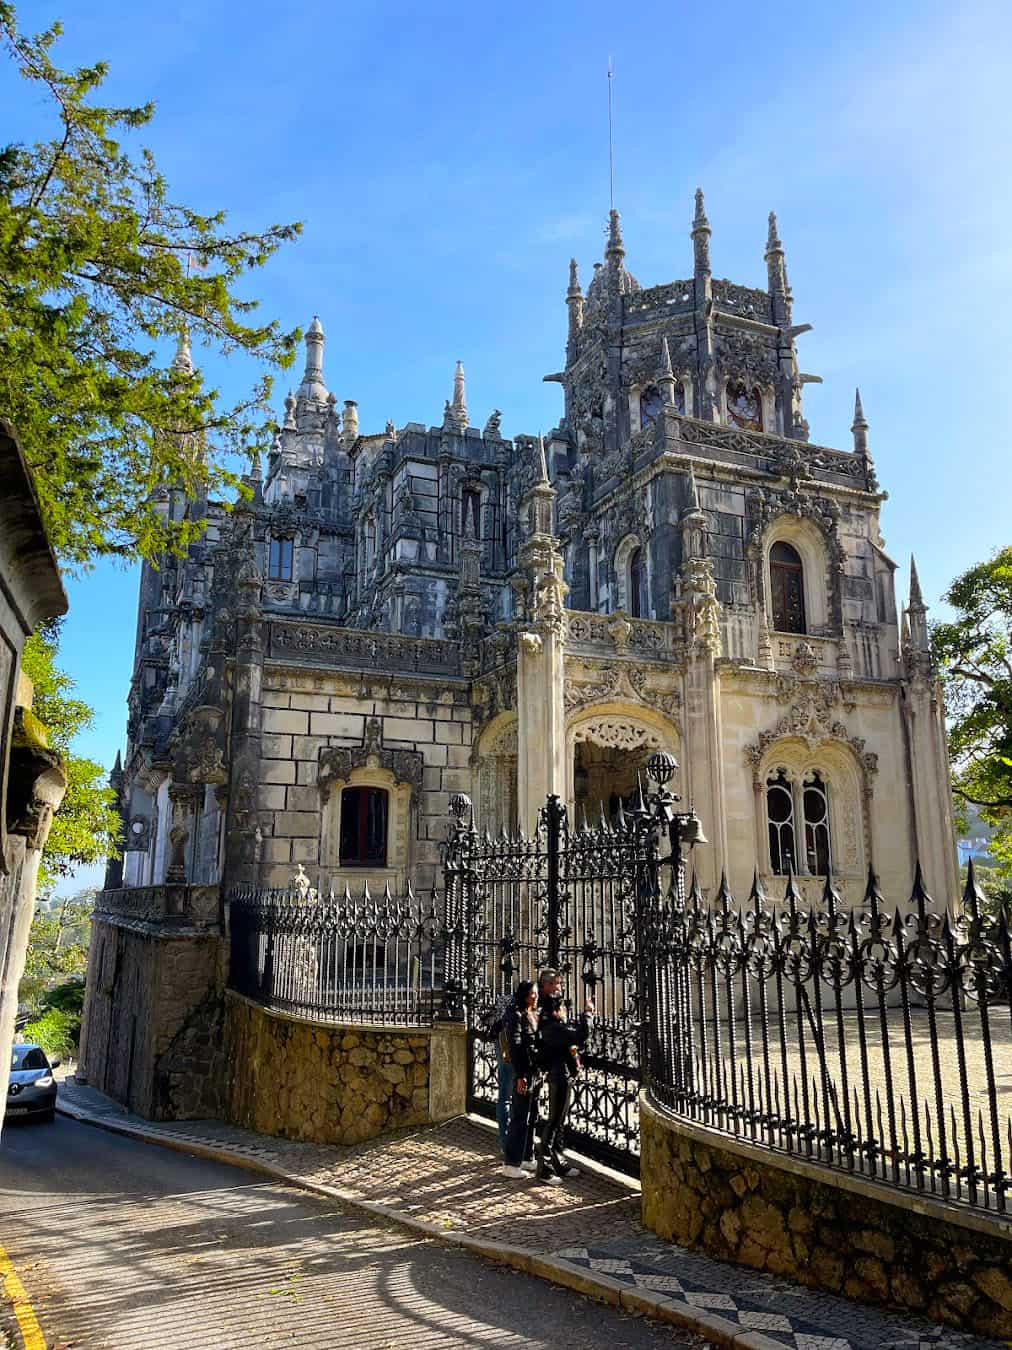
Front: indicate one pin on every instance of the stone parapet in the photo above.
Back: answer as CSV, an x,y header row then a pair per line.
x,y
846,1234
337,1083
168,907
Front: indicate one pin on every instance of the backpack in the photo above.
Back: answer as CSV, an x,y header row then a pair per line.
x,y
492,1021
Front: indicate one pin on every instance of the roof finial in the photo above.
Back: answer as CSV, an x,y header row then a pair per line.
x,y
773,244
183,359
542,462
615,251
859,426
692,506
667,379
776,274
456,412
574,291
701,237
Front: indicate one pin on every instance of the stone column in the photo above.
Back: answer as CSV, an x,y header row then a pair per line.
x,y
541,721
243,840
930,799
541,710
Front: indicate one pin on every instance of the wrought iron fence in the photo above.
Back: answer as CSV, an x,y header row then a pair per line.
x,y
338,958
869,1040
562,897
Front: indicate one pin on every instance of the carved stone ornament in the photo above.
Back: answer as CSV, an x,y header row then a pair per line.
x,y
338,762
531,643
810,719
621,683
137,836
618,733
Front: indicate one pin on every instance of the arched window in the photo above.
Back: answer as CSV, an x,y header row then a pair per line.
x,y
780,816
815,809
363,827
635,582
745,407
651,403
787,589
280,561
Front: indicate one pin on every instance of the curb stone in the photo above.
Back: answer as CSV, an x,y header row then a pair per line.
x,y
718,1331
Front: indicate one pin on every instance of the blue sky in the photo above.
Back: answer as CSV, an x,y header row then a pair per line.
x,y
448,159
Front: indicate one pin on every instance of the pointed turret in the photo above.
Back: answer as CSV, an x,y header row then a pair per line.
x,y
312,390
693,522
455,413
776,272
917,611
542,462
701,238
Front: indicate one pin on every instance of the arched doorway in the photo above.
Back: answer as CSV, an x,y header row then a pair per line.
x,y
609,751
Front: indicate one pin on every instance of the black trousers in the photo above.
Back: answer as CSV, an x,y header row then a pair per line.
x,y
560,1091
523,1122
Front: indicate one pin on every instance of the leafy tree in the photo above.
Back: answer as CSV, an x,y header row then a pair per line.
x,y
974,652
57,955
101,272
86,827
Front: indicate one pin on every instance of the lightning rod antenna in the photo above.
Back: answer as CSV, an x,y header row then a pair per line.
x,y
611,147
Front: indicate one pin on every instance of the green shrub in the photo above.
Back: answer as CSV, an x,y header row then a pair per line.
x,y
57,1031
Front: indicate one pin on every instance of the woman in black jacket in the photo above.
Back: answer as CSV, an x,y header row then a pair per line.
x,y
521,1033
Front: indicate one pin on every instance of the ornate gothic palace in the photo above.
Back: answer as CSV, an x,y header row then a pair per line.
x,y
391,617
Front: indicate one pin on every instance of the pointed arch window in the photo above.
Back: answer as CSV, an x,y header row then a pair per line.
x,y
780,819
651,403
744,406
815,809
787,589
635,582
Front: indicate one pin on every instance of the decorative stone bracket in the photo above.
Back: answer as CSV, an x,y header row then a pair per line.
x,y
338,762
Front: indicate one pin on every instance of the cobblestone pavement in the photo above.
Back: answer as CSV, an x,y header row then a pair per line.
x,y
122,1245
447,1176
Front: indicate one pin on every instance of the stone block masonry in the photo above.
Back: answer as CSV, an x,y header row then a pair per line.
x,y
331,1084
844,1234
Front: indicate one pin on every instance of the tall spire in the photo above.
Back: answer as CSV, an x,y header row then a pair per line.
x,y
455,414
312,389
776,273
701,237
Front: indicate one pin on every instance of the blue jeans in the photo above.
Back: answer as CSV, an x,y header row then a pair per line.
x,y
507,1077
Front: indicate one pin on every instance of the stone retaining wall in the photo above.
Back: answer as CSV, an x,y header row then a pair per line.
x,y
337,1084
848,1235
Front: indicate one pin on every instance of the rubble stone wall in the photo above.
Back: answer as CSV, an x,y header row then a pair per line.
x,y
329,1084
854,1238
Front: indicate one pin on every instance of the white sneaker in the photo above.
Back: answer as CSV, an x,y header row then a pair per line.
x,y
529,1165
550,1180
515,1173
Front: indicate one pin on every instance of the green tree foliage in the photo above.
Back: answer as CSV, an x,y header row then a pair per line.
x,y
974,653
57,955
101,271
86,827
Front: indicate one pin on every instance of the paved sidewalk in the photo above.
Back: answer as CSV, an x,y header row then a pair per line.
x,y
443,1181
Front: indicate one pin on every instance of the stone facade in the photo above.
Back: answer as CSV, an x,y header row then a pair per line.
x,y
390,618
868,1242
330,1084
32,781
152,1034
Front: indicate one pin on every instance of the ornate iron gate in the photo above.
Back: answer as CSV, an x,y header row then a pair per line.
x,y
565,898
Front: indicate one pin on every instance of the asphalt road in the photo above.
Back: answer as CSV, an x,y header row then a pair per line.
x,y
126,1245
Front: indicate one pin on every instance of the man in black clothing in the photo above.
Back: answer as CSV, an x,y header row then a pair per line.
x,y
559,1041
